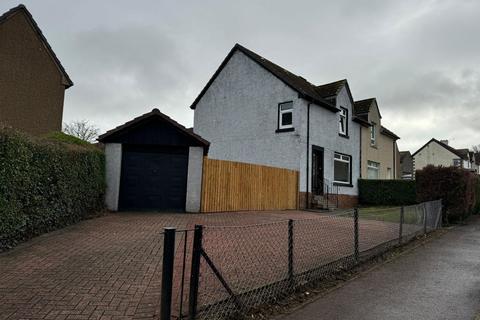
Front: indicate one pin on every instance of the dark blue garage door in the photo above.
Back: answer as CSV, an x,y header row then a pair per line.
x,y
153,178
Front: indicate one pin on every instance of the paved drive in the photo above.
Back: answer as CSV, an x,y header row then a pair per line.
x,y
438,281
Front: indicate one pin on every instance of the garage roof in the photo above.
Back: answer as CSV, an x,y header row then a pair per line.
x,y
155,113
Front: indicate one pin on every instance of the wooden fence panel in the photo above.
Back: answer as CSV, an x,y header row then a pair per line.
x,y
236,186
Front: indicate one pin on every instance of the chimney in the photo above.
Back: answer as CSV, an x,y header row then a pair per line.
x,y
444,141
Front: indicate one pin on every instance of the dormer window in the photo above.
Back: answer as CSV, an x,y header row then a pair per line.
x,y
343,122
285,116
373,134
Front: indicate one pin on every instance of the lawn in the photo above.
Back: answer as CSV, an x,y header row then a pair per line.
x,y
412,215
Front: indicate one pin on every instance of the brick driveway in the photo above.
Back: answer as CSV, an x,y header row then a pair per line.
x,y
105,268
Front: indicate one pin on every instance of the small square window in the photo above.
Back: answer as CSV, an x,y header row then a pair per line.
x,y
285,115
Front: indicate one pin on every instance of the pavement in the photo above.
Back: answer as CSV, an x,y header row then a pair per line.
x,y
440,280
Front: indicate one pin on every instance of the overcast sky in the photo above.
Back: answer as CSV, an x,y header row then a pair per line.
x,y
421,59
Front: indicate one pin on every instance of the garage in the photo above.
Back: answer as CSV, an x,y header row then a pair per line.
x,y
153,164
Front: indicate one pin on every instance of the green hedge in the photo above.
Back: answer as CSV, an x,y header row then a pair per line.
x,y
45,185
455,186
476,209
386,192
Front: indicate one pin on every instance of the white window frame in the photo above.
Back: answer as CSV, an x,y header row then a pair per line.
x,y
282,112
345,159
373,134
343,115
375,166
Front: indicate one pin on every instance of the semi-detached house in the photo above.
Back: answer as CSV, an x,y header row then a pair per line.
x,y
255,111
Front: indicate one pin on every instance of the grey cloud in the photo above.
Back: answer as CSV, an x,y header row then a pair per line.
x,y
420,58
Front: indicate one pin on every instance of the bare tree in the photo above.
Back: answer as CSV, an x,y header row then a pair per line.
x,y
476,148
82,129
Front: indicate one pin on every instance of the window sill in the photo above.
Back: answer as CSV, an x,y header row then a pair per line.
x,y
344,136
285,130
340,184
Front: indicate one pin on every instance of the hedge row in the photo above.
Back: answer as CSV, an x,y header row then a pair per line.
x,y
386,192
458,188
45,185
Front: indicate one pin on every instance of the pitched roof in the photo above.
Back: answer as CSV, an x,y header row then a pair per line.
x,y
21,8
464,153
363,106
330,89
305,89
460,154
154,113
388,133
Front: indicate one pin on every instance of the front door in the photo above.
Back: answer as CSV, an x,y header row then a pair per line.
x,y
317,170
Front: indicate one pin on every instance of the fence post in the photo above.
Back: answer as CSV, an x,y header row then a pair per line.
x,y
167,273
425,216
401,225
195,272
356,251
290,252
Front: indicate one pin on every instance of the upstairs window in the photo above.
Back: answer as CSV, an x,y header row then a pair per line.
x,y
373,134
285,115
342,166
343,122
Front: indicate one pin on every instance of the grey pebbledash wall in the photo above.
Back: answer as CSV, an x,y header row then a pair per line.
x,y
113,163
238,114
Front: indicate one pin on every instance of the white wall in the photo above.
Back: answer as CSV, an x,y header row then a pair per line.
x,y
194,180
113,165
324,133
434,154
238,114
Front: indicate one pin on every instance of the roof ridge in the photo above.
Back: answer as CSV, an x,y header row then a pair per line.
x,y
158,113
305,89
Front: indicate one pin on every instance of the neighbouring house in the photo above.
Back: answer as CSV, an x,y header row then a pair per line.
x,y
255,111
440,153
380,156
32,79
406,165
153,163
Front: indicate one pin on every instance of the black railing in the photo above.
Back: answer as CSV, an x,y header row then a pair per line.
x,y
325,197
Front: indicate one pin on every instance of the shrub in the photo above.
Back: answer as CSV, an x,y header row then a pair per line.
x,y
476,209
58,136
45,185
455,186
386,192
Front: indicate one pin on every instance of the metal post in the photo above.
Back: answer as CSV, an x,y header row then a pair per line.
x,y
290,252
356,251
195,272
167,273
401,225
425,216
